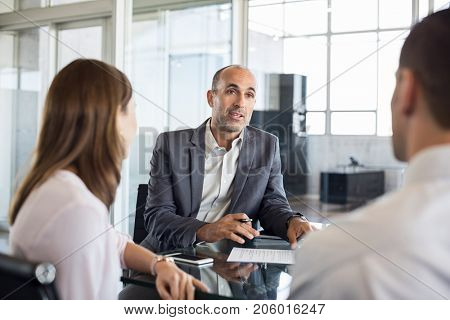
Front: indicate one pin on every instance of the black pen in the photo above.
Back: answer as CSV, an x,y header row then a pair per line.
x,y
245,220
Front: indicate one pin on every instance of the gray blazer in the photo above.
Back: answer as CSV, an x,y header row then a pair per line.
x,y
176,184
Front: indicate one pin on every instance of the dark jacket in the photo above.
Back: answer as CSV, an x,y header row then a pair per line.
x,y
176,184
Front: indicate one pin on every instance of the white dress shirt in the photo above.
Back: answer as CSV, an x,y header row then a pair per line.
x,y
62,222
220,170
396,248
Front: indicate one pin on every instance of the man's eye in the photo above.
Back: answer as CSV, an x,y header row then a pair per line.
x,y
230,91
250,95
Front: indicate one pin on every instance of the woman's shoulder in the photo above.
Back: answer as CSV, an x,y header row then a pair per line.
x,y
71,189
64,190
61,204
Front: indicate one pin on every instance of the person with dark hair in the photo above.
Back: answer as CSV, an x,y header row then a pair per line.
x,y
59,213
399,246
208,183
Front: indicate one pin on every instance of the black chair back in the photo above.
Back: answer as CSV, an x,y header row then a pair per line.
x,y
140,233
23,280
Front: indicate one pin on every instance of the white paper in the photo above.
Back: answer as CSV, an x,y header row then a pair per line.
x,y
261,256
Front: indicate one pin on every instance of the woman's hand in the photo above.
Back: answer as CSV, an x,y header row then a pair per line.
x,y
173,283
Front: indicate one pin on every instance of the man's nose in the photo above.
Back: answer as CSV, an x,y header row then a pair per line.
x,y
240,100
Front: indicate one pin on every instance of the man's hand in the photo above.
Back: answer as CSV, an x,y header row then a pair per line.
x,y
297,227
228,227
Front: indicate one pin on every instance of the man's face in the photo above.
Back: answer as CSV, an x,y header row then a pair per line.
x,y
398,122
233,100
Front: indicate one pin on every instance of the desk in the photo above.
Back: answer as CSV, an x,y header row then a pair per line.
x,y
226,279
317,211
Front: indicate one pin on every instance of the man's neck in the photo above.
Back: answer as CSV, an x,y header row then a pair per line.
x,y
223,138
422,145
424,136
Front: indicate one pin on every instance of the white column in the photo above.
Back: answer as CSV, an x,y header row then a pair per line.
x,y
239,32
121,33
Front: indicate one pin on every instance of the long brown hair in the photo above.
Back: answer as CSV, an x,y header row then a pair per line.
x,y
79,130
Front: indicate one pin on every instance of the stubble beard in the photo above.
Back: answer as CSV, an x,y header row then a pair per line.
x,y
224,126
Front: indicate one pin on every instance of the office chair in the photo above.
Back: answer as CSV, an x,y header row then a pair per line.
x,y
24,280
140,233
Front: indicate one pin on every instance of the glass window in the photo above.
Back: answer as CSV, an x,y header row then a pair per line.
x,y
349,69
441,5
353,83
353,15
28,4
147,70
8,86
265,44
209,30
315,123
59,2
171,73
308,56
194,60
394,14
79,43
262,64
23,79
353,123
266,19
6,6
423,8
390,43
254,3
305,17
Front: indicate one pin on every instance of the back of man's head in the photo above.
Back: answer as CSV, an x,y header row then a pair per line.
x,y
427,53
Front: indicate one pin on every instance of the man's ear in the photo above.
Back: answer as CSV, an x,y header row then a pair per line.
x,y
210,97
407,91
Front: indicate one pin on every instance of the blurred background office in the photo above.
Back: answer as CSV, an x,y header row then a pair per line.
x,y
325,70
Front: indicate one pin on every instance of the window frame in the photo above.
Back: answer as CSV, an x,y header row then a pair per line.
x,y
329,34
115,16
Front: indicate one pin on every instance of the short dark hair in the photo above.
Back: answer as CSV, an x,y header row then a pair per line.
x,y
216,77
426,52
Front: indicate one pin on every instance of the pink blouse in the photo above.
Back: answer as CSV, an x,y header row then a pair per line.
x,y
62,222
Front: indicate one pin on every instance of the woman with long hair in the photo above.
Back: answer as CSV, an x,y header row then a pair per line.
x,y
59,213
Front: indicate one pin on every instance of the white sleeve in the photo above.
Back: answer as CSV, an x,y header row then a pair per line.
x,y
122,241
342,282
83,246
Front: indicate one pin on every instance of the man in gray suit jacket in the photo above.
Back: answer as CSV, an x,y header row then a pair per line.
x,y
206,184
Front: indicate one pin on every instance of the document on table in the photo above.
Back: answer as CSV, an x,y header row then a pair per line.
x,y
262,256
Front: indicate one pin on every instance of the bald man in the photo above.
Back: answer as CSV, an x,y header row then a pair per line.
x,y
214,182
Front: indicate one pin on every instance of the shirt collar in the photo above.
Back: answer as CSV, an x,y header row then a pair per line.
x,y
429,164
211,143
